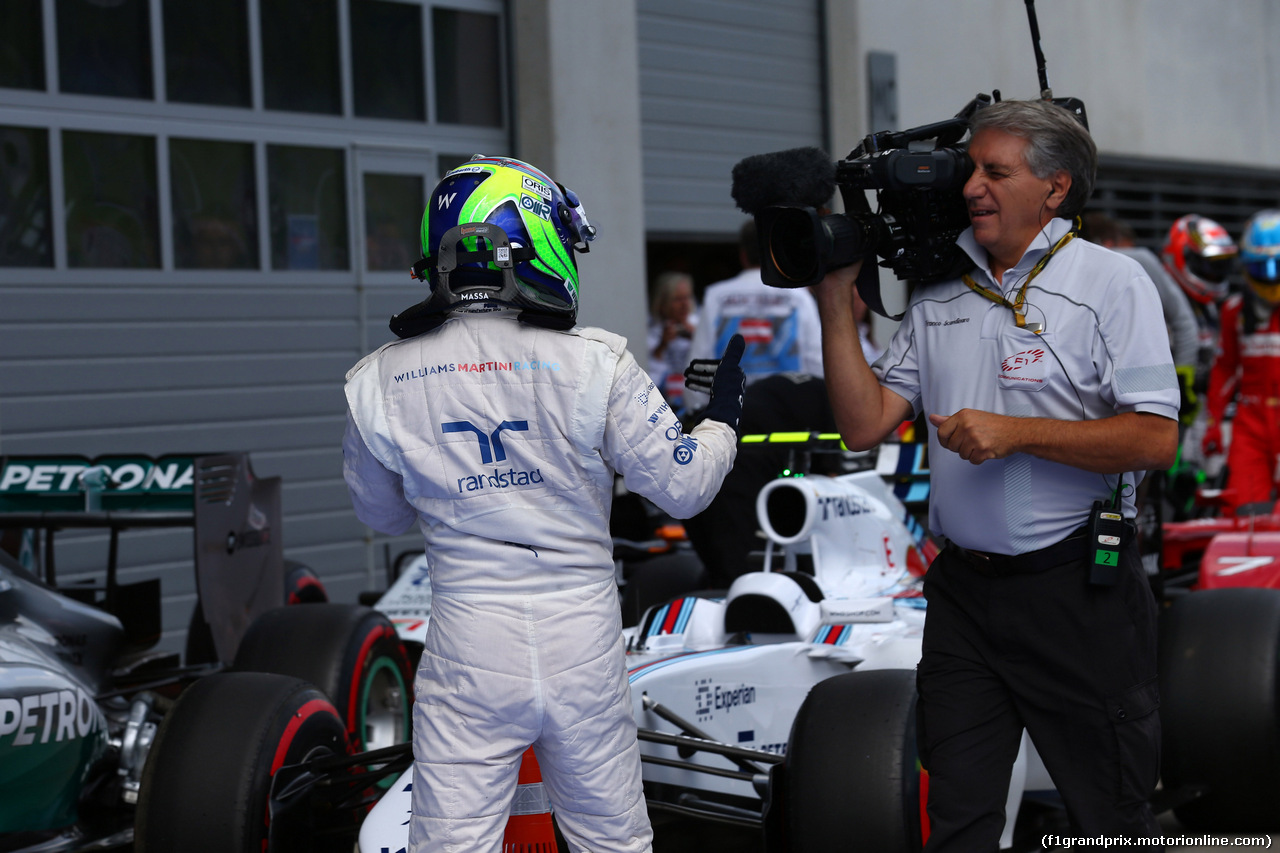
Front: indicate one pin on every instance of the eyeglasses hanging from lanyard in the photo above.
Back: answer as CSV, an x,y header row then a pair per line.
x,y
1016,306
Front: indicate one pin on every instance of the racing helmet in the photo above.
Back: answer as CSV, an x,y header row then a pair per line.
x,y
1260,252
1200,254
498,233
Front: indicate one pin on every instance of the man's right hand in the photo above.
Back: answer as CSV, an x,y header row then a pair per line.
x,y
976,436
837,284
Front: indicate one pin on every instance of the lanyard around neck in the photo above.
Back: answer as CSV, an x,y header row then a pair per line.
x,y
1016,306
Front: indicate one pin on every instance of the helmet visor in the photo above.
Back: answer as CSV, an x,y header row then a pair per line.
x,y
1214,270
1264,270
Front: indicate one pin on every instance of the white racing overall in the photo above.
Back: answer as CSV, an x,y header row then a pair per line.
x,y
501,441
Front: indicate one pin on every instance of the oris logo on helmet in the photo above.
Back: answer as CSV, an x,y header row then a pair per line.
x,y
538,187
536,206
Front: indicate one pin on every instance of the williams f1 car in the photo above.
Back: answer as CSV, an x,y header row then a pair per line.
x,y
786,703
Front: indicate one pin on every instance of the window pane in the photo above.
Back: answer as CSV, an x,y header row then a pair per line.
x,y
111,200
206,52
306,191
25,235
300,56
386,59
21,45
104,48
468,67
393,206
214,205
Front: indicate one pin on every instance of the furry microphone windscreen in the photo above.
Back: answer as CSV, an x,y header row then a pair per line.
x,y
798,176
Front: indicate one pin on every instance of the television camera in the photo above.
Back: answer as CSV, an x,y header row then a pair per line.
x,y
917,175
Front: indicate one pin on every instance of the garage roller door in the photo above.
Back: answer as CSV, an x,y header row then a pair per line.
x,y
720,81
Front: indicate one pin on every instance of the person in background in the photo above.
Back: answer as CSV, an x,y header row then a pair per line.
x,y
1247,371
1179,318
673,317
1200,256
1046,376
780,325
496,425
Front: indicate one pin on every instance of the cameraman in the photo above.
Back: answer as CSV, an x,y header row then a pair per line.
x,y
1046,374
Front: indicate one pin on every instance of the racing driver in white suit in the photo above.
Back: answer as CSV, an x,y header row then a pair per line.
x,y
497,424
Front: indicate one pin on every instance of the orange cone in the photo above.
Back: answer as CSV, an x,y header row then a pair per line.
x,y
530,828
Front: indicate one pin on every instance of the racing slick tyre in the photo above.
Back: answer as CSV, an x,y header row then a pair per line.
x,y
350,652
207,782
852,778
1220,708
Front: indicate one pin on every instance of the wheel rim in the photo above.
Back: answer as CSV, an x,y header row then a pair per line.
x,y
384,718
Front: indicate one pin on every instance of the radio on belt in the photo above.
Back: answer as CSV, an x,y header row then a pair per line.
x,y
1106,538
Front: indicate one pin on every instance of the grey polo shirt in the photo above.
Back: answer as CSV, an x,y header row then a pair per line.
x,y
1103,350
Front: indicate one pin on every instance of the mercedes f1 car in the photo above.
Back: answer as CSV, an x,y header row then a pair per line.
x,y
83,688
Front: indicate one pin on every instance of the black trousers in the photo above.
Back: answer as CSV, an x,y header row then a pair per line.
x,y
1072,663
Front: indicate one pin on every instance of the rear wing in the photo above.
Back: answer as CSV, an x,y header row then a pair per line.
x,y
235,517
78,484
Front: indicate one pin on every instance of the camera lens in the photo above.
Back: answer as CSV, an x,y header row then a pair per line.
x,y
792,244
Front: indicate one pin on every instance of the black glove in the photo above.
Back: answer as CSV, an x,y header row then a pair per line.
x,y
725,380
700,373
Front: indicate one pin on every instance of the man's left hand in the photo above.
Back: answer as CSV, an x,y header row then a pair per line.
x,y
976,436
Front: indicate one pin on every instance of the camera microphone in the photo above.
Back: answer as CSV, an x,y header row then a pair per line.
x,y
797,176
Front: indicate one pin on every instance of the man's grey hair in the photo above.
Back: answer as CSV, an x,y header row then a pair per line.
x,y
1056,140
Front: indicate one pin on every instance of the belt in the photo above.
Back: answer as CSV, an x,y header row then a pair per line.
x,y
1073,548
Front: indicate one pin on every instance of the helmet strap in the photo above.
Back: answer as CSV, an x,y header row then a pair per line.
x,y
431,312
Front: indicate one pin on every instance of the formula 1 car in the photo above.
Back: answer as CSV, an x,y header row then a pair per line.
x,y
1217,552
1220,580
83,690
786,703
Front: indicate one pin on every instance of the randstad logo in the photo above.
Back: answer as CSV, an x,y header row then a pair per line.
x,y
491,451
1026,358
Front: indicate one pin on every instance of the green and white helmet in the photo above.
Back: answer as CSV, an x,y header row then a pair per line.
x,y
498,232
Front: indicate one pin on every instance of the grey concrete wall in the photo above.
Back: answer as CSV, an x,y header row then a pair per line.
x,y
1160,78
577,96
